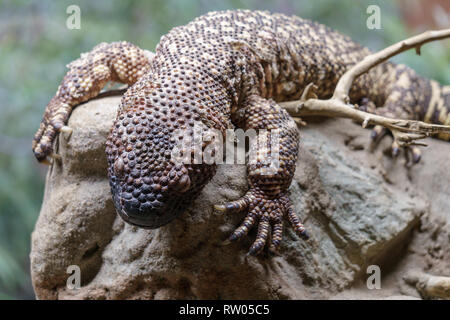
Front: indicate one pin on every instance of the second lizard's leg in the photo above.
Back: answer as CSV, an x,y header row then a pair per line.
x,y
118,61
269,177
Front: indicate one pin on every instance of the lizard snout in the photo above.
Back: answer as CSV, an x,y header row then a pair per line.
x,y
147,216
149,211
149,204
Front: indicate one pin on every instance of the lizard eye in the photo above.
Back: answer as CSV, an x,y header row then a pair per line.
x,y
119,167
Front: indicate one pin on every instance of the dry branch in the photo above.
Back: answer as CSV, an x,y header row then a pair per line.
x,y
405,132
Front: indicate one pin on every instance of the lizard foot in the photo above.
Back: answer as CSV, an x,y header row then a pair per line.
x,y
268,213
411,152
54,122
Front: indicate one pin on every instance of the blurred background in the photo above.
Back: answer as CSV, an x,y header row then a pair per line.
x,y
35,46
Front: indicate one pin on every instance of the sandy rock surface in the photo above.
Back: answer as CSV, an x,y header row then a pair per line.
x,y
361,208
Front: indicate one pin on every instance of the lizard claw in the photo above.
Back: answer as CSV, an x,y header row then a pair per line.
x,y
395,149
46,161
225,242
54,122
67,130
416,154
266,212
220,207
378,132
55,156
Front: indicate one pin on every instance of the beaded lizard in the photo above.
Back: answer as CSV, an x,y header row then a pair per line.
x,y
224,69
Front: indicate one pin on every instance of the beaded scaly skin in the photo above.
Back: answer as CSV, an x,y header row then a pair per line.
x,y
224,70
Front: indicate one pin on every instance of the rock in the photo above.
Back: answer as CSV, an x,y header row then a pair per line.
x,y
401,298
355,215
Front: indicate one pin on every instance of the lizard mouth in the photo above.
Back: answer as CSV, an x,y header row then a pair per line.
x,y
144,207
147,216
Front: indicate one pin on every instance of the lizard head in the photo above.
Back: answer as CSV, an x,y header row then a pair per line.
x,y
150,188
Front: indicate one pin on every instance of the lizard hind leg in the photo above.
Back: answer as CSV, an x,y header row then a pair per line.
x,y
118,61
399,105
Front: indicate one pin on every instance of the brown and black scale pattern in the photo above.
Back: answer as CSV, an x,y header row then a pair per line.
x,y
225,69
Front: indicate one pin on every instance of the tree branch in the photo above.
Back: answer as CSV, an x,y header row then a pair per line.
x,y
405,132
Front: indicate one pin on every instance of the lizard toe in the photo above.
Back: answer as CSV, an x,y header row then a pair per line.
x,y
267,213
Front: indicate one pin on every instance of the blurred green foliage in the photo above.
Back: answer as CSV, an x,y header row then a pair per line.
x,y
35,46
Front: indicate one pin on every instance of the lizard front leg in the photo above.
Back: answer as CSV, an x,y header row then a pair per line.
x,y
269,175
118,61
